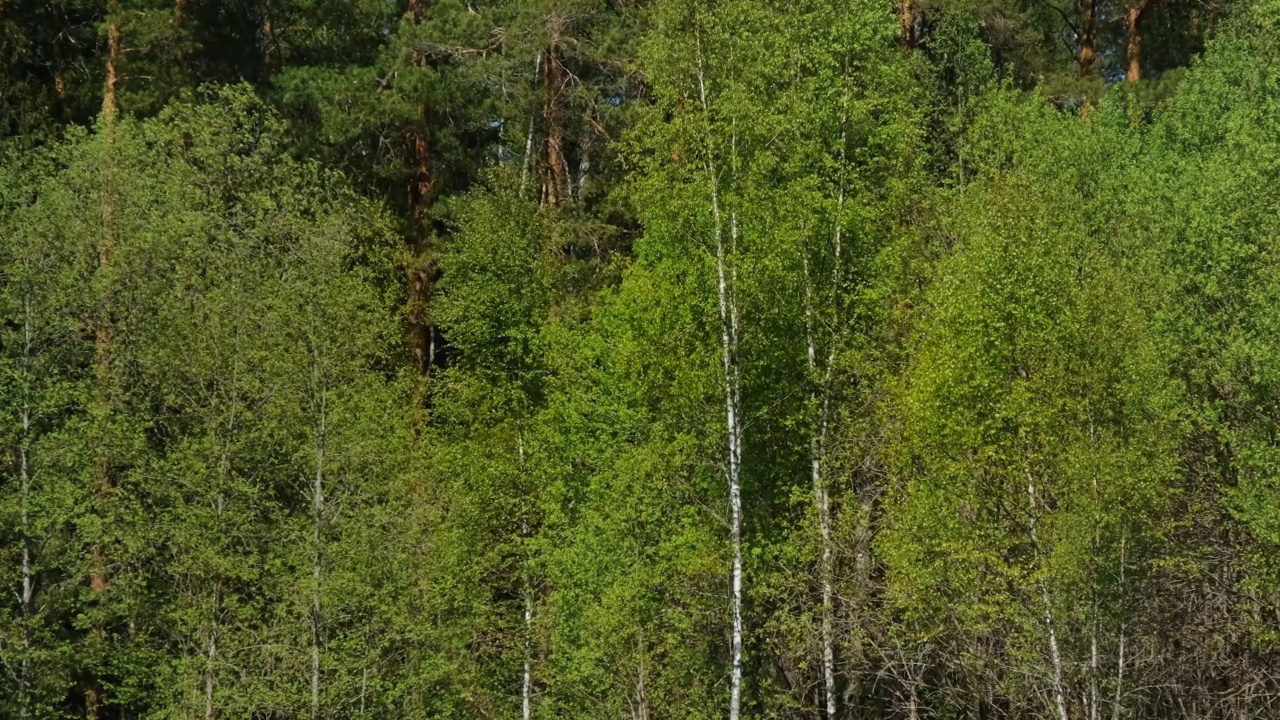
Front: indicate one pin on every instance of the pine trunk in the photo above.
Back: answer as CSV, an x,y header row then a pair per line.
x,y
421,193
556,182
270,44
179,23
1133,43
1088,23
59,55
111,77
102,331
907,19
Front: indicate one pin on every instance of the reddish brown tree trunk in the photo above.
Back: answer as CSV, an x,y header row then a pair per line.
x,y
106,244
1133,45
421,188
907,18
59,52
1088,20
102,332
555,185
270,43
421,192
110,103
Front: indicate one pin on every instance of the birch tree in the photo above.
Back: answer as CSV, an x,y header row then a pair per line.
x,y
43,385
498,293
1040,441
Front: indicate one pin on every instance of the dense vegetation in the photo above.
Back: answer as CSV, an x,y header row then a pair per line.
x,y
641,359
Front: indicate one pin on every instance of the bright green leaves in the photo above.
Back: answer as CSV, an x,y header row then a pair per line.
x,y
498,286
781,142
1215,157
1005,376
1039,430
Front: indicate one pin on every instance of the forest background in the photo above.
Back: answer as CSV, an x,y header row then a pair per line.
x,y
640,359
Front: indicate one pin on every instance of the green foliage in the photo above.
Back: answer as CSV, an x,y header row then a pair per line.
x,y
247,334
1039,432
1210,212
401,382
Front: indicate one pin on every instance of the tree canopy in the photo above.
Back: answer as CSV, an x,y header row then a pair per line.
x,y
644,359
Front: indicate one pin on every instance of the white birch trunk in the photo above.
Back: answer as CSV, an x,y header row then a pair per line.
x,y
1093,662
528,141
640,709
584,167
318,506
821,489
732,420
364,687
526,689
211,648
211,652
1094,707
1055,655
526,693
821,495
730,371
734,433
822,499
1059,696
1116,708
24,470
219,507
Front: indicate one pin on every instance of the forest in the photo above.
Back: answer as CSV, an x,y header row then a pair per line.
x,y
640,359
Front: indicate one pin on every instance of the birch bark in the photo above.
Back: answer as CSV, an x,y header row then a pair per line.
x,y
1116,707
730,373
528,140
526,689
24,470
318,509
1055,655
219,508
211,654
821,399
1094,707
